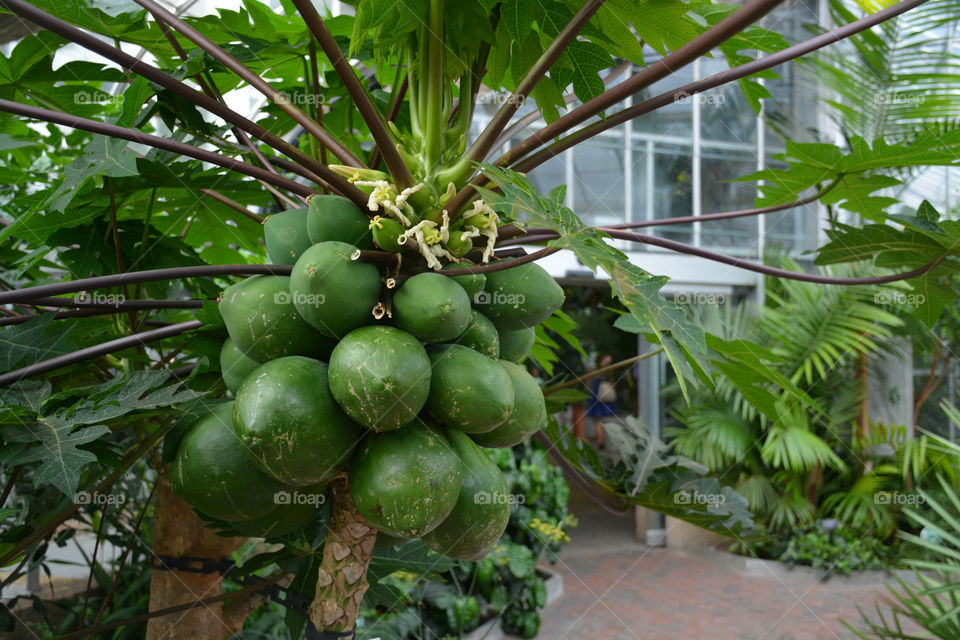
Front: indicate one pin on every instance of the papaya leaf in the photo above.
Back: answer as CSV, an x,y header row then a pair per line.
x,y
33,341
57,436
638,290
60,460
650,476
919,241
811,164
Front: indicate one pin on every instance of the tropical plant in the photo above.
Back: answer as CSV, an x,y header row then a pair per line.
x,y
162,206
930,603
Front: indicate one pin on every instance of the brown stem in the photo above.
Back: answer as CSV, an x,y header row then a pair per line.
x,y
311,168
395,104
712,37
154,141
254,80
932,382
600,372
486,140
532,117
509,232
364,105
503,264
342,577
135,340
149,275
236,206
724,77
572,472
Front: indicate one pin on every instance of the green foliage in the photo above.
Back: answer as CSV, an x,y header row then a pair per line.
x,y
650,476
842,550
929,601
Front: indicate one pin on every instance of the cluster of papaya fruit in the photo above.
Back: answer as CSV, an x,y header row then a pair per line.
x,y
403,400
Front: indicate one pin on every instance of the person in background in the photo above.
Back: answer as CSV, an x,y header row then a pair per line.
x,y
603,398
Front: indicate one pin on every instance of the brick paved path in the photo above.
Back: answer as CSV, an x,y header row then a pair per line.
x,y
617,589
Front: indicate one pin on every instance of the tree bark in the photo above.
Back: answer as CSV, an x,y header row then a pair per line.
x,y
178,531
342,578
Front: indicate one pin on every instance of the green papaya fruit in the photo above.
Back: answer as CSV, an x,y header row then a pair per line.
x,y
386,233
482,511
432,307
472,283
529,413
295,509
333,293
235,365
519,297
264,324
515,345
406,481
290,425
332,217
380,376
468,391
211,471
285,235
480,335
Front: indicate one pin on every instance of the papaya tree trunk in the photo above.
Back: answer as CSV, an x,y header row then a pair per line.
x,y
178,531
342,578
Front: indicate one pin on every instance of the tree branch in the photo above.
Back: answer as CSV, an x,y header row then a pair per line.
x,y
488,137
135,340
712,37
381,135
327,177
335,146
500,266
713,81
236,206
175,146
150,275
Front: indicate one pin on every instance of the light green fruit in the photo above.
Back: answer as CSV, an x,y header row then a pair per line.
x,y
380,376
432,307
332,292
285,235
332,217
